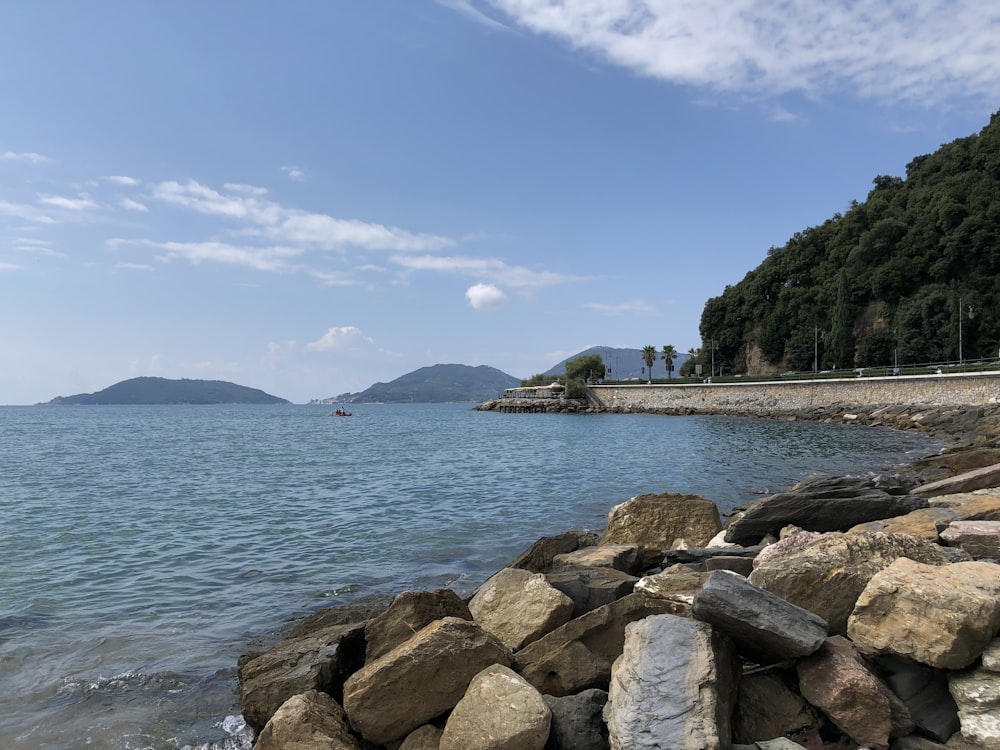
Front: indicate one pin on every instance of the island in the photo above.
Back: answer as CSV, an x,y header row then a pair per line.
x,y
149,390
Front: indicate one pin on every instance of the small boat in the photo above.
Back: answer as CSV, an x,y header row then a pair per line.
x,y
341,413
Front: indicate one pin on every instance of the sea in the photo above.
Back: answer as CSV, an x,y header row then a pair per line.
x,y
144,548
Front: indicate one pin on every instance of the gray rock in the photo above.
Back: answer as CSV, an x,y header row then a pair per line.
x,y
578,721
308,721
924,692
765,627
767,707
627,558
673,687
820,504
590,588
499,711
977,479
538,557
409,612
977,694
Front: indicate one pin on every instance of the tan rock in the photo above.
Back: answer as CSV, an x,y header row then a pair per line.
x,y
940,616
624,557
427,737
499,711
308,721
420,679
519,607
827,575
409,612
981,505
838,682
922,523
663,521
678,583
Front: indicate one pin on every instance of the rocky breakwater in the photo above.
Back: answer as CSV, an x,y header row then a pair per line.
x,y
560,405
843,613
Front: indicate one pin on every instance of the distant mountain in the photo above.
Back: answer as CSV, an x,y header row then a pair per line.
x,y
436,384
624,363
163,391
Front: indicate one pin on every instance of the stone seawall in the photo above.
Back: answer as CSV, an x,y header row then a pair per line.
x,y
770,398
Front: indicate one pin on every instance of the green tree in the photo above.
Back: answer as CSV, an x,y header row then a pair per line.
x,y
667,355
649,357
694,358
585,367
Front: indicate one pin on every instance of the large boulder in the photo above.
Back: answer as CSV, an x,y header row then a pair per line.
x,y
519,607
942,616
578,721
977,694
674,686
627,558
922,523
678,583
979,539
828,573
320,660
663,521
308,721
499,711
420,679
765,627
579,654
981,505
538,557
409,612
838,682
590,588
977,479
767,706
820,504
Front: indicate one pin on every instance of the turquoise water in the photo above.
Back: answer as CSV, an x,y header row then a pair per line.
x,y
143,548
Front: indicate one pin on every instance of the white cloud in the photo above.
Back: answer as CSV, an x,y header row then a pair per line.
x,y
294,173
122,180
27,157
249,189
83,203
897,50
333,278
260,258
473,14
334,338
22,211
513,276
485,297
36,247
132,205
636,306
134,267
5,267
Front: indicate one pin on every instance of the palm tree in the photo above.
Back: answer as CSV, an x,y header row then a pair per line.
x,y
649,356
667,356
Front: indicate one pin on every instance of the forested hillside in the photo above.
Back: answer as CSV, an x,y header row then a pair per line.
x,y
889,278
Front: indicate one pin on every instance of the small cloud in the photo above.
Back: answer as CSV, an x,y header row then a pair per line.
x,y
294,173
26,157
622,308
248,189
332,278
485,297
472,13
122,180
22,211
82,203
132,205
334,338
133,267
5,267
36,247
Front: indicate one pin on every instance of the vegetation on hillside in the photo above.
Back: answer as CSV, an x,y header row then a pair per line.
x,y
911,275
164,391
437,384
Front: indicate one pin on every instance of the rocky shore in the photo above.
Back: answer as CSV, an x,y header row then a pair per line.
x,y
845,612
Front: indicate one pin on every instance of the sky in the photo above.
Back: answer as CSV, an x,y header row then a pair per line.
x,y
313,196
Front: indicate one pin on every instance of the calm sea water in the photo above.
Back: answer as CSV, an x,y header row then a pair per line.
x,y
144,548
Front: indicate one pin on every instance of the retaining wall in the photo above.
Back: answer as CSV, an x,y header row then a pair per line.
x,y
965,389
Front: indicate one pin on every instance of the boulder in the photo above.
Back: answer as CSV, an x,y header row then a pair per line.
x,y
308,721
981,505
590,588
578,655
791,540
578,721
765,627
538,557
767,707
519,607
427,737
980,539
922,523
977,479
419,679
499,711
321,660
674,686
663,521
924,692
409,612
953,462
627,558
820,504
977,694
942,616
828,574
678,583
838,682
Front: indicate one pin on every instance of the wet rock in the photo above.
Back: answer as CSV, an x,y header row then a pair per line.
x,y
409,612
519,607
578,721
663,521
673,687
765,627
942,616
420,679
820,504
499,711
838,682
827,575
308,721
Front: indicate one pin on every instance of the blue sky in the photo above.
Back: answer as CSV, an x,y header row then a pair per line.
x,y
313,196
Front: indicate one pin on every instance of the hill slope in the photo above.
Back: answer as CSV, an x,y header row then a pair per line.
x,y
912,273
163,391
436,384
623,363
